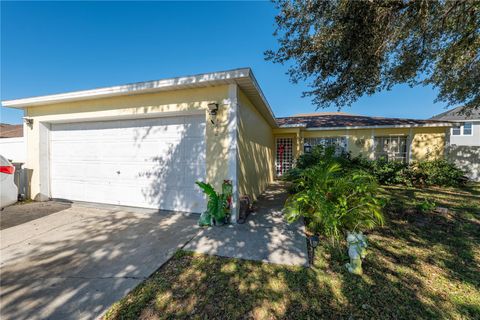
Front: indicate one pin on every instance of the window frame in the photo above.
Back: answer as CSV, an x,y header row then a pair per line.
x,y
402,156
341,143
471,129
459,131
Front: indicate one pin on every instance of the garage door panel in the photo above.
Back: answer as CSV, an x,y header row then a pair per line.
x,y
128,131
150,163
194,150
176,174
120,150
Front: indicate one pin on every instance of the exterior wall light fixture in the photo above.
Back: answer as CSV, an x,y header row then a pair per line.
x,y
212,111
213,108
28,121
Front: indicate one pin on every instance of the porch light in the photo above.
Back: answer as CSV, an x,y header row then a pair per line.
x,y
213,108
307,148
28,121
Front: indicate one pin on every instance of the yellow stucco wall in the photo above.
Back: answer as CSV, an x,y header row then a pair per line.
x,y
151,104
255,149
427,143
360,142
256,137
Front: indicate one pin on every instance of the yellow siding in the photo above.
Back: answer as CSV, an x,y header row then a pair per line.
x,y
255,149
256,138
324,133
360,142
391,132
217,138
428,143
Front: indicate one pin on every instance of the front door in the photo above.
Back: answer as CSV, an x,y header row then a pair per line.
x,y
284,155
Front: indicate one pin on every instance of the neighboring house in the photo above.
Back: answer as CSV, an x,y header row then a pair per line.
x,y
463,140
11,130
12,143
466,132
145,144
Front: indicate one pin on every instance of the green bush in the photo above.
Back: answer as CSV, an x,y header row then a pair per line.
x,y
433,172
334,201
440,173
388,172
318,155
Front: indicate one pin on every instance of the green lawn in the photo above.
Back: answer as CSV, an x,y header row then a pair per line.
x,y
420,265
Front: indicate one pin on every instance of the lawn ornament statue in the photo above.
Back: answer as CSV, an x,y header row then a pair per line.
x,y
357,250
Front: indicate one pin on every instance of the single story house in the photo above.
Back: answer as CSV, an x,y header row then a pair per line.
x,y
145,144
463,139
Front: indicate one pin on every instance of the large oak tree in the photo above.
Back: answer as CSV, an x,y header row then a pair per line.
x,y
346,49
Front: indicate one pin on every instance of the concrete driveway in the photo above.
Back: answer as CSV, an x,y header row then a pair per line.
x,y
75,262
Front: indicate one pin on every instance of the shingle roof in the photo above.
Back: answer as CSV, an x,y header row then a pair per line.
x,y
11,130
341,120
458,114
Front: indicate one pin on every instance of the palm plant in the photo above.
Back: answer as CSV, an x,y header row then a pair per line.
x,y
334,201
216,206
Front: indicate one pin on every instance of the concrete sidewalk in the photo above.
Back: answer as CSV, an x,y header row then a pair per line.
x,y
264,237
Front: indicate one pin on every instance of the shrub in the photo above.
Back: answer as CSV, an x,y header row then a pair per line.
x,y
318,155
388,172
433,172
440,172
334,202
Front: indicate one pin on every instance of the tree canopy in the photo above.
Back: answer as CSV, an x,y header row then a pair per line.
x,y
345,49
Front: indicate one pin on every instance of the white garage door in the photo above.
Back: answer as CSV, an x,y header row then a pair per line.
x,y
150,163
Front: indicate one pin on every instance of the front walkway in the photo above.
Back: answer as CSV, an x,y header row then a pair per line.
x,y
264,237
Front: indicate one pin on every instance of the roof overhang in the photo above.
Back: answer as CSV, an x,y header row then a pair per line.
x,y
243,77
425,125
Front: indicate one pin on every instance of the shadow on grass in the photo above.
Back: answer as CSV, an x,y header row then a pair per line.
x,y
419,266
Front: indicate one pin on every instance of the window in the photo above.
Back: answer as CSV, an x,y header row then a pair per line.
x,y
392,148
467,129
340,143
463,130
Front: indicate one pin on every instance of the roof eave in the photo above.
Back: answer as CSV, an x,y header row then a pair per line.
x,y
195,81
426,125
243,77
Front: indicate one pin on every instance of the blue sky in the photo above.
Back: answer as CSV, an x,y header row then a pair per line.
x,y
54,47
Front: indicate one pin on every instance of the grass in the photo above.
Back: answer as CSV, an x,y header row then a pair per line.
x,y
420,266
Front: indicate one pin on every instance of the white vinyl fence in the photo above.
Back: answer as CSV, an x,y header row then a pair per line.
x,y
14,149
466,158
